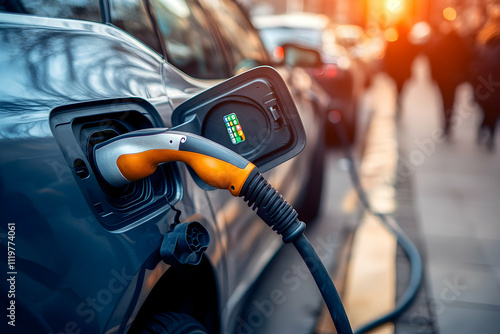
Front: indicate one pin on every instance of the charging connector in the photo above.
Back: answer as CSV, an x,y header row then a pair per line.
x,y
136,155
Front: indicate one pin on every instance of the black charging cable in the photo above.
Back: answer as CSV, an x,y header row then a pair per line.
x,y
403,240
272,208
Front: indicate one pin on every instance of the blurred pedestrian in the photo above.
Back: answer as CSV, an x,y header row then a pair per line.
x,y
450,59
486,76
399,56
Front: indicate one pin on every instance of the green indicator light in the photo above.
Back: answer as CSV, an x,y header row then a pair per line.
x,y
234,129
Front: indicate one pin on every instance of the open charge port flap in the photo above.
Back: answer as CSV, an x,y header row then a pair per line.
x,y
78,128
269,127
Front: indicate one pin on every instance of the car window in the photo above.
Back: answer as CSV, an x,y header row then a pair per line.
x,y
277,36
190,45
131,16
88,10
244,42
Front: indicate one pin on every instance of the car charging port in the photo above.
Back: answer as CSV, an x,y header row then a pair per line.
x,y
78,128
185,244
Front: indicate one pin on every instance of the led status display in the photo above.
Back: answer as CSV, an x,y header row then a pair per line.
x,y
234,129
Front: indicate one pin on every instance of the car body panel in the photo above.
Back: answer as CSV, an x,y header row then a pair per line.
x,y
59,239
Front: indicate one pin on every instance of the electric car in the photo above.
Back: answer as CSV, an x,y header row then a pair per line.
x,y
82,256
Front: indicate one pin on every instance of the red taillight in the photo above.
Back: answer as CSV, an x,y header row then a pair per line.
x,y
331,71
334,116
279,52
328,71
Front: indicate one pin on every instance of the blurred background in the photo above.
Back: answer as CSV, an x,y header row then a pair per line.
x,y
375,14
416,83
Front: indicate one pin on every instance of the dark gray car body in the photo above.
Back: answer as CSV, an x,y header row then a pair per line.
x,y
72,272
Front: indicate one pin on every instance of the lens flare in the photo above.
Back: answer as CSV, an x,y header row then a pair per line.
x,y
391,35
450,13
394,6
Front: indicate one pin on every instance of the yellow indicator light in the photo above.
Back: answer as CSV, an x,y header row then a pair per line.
x,y
234,129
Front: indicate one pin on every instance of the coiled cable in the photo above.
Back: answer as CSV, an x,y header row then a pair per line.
x,y
403,240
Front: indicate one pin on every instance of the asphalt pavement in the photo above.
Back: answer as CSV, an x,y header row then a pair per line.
x,y
446,198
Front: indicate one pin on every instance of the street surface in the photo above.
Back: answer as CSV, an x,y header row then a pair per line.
x,y
447,199
456,188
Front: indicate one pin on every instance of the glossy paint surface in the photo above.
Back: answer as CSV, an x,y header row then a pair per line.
x,y
72,273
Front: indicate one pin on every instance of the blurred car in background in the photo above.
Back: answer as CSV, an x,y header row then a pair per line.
x,y
367,50
77,73
339,74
